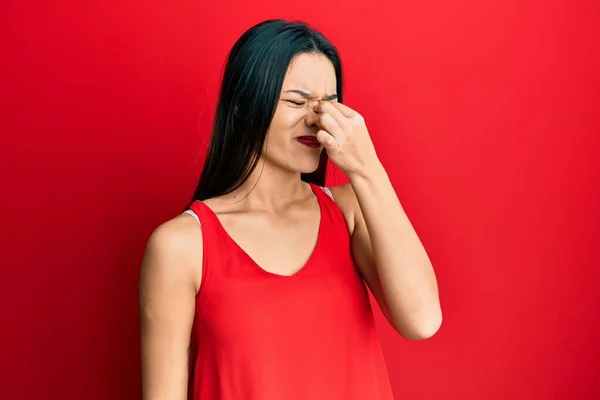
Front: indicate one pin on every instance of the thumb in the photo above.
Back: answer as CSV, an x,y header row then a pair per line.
x,y
327,140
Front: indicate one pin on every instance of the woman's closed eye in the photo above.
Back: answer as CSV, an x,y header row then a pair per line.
x,y
296,102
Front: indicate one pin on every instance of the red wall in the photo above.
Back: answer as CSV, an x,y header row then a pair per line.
x,y
485,114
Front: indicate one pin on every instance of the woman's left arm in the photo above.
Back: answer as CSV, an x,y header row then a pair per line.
x,y
391,257
385,246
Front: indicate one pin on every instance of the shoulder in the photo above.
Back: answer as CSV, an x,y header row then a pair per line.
x,y
174,252
347,202
177,236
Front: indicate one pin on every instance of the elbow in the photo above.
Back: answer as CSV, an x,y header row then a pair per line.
x,y
425,328
428,330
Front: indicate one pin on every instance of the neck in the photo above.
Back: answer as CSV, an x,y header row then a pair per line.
x,y
271,188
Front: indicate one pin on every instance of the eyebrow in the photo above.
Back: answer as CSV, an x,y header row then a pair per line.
x,y
307,96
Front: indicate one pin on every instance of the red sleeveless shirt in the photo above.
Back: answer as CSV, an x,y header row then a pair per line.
x,y
262,336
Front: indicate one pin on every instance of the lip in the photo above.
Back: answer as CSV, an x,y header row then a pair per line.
x,y
309,141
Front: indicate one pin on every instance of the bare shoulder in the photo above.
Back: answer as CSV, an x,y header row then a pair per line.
x,y
167,294
173,253
347,202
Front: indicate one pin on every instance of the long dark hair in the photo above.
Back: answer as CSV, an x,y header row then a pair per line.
x,y
250,89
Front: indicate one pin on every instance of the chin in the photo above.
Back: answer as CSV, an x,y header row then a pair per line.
x,y
308,165
302,163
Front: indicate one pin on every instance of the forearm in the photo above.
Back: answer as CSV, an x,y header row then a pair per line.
x,y
406,276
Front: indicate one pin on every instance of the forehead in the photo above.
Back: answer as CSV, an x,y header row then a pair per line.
x,y
312,73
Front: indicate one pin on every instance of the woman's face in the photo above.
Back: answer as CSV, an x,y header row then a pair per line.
x,y
291,142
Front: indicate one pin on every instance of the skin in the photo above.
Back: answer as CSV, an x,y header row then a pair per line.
x,y
280,224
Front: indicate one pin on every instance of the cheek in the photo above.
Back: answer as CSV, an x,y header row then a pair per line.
x,y
285,124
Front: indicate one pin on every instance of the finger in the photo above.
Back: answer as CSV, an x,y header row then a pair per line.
x,y
327,140
344,109
329,124
329,108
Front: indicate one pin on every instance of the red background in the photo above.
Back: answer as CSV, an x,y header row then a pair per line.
x,y
484,113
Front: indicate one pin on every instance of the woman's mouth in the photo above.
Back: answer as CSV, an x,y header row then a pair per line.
x,y
309,141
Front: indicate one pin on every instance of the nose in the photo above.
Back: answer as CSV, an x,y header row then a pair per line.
x,y
311,116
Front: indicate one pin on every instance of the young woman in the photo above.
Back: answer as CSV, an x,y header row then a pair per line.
x,y
258,291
